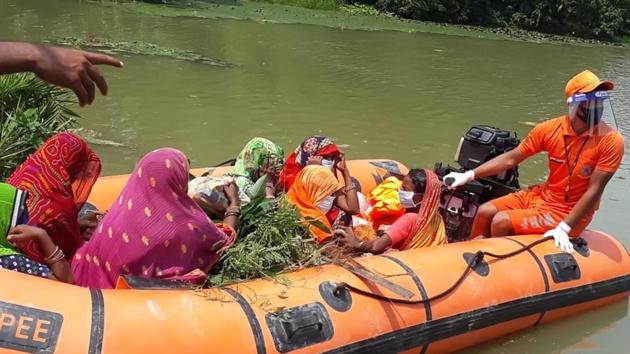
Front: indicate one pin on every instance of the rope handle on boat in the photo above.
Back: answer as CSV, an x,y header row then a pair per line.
x,y
479,255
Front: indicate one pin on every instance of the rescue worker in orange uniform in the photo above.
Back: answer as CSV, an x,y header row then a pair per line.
x,y
584,151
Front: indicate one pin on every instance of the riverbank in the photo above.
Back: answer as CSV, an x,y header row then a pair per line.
x,y
329,13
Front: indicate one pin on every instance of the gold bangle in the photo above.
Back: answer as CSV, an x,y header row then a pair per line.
x,y
52,254
57,256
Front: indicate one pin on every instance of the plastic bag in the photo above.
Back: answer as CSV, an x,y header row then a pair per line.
x,y
208,193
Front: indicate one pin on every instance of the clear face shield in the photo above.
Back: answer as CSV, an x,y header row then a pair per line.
x,y
592,111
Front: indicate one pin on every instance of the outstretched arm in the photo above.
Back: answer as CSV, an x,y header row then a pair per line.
x,y
69,68
493,167
500,163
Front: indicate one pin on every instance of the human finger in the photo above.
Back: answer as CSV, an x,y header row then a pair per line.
x,y
11,239
96,76
102,59
89,86
79,90
339,231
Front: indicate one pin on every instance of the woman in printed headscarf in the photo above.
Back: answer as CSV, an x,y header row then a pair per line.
x,y
58,178
260,161
316,150
420,226
315,191
14,235
154,229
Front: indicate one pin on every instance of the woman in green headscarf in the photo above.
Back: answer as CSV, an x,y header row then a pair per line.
x,y
12,234
259,162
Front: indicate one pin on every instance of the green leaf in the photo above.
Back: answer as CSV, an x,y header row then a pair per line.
x,y
258,189
31,111
318,224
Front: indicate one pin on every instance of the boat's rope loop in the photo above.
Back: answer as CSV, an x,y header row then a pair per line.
x,y
478,258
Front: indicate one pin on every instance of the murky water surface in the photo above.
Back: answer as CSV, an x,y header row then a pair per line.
x,y
381,94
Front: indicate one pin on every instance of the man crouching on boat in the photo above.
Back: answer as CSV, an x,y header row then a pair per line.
x,y
584,153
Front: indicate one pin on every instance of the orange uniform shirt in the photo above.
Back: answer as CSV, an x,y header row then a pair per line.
x,y
572,159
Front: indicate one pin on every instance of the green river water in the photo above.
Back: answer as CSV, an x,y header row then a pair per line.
x,y
389,90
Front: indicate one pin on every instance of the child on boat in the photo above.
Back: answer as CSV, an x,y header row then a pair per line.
x,y
412,205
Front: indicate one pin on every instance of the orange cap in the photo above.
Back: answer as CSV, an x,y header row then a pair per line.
x,y
585,82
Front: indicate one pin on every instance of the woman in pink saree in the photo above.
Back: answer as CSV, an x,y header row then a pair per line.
x,y
154,230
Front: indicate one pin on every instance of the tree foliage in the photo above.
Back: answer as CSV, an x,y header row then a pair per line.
x,y
600,19
31,111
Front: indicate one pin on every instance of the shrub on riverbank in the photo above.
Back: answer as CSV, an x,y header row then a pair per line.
x,y
308,4
607,20
601,19
31,111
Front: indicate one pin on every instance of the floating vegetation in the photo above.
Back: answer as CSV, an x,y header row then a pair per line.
x,y
95,138
137,48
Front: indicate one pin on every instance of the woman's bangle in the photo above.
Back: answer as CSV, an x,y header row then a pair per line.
x,y
52,254
233,209
57,256
348,189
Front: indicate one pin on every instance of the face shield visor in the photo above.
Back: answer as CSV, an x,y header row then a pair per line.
x,y
593,111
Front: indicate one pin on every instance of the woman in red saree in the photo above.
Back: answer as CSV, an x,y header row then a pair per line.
x,y
317,150
58,178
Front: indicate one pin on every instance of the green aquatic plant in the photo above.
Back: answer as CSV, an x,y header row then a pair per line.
x,y
31,111
276,242
109,46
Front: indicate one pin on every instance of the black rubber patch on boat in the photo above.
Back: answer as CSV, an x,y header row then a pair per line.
x,y
299,327
581,247
563,267
251,318
540,266
419,286
337,297
436,330
135,282
98,322
480,267
28,329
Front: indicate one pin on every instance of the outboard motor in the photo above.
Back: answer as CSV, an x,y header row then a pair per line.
x,y
459,207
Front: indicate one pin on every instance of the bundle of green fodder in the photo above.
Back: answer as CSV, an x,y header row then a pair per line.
x,y
31,111
271,240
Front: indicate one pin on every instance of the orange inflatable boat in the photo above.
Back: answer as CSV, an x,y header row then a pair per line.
x,y
438,300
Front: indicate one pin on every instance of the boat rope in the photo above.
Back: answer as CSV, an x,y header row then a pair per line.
x,y
478,258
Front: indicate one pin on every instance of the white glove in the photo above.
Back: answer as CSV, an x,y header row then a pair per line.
x,y
459,179
561,236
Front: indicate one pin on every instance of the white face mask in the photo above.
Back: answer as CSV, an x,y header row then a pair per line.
x,y
406,199
326,204
328,163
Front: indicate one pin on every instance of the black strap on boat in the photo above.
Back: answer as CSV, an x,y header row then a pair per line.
x,y
478,258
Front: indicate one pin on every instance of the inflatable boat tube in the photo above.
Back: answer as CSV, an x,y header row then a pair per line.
x,y
461,294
